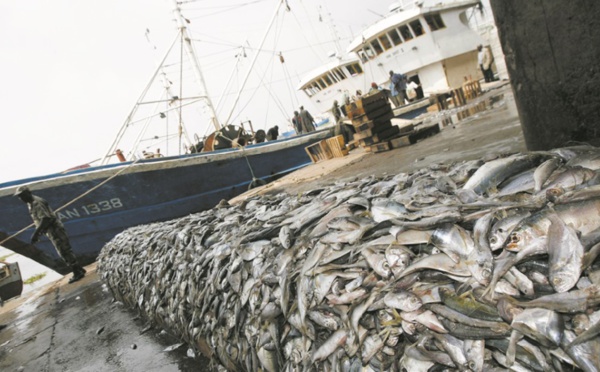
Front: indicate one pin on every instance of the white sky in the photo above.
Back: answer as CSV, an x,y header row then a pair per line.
x,y
72,69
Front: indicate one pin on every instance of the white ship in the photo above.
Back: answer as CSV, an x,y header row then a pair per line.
x,y
429,41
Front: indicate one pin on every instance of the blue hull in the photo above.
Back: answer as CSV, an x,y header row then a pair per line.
x,y
148,191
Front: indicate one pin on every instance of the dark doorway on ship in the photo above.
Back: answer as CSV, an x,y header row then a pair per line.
x,y
418,89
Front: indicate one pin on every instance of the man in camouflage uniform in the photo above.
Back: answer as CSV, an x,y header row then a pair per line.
x,y
46,222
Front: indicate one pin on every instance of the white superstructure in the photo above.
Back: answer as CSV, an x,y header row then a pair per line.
x,y
430,41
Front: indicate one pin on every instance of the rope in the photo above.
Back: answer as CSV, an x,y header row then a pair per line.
x,y
243,149
72,201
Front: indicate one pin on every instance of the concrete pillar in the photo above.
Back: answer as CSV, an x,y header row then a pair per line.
x,y
552,53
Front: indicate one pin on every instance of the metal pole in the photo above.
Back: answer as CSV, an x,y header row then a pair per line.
x,y
189,48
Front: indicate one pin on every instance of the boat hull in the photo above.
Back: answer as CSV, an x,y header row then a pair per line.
x,y
142,192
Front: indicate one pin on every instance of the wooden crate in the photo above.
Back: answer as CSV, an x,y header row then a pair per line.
x,y
372,131
400,142
406,129
353,109
379,147
471,89
366,104
382,114
380,137
369,125
318,151
337,146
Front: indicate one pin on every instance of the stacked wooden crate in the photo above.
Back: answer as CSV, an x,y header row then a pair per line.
x,y
371,118
326,149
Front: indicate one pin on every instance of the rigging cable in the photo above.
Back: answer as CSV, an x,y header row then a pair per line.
x,y
180,127
293,97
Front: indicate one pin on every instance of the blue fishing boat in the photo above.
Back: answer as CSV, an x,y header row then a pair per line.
x,y
135,187
96,203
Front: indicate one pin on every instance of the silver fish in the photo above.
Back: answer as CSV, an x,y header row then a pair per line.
x,y
585,355
574,301
492,173
440,262
503,227
565,253
542,325
570,177
286,236
403,300
475,353
543,172
337,339
384,209
321,228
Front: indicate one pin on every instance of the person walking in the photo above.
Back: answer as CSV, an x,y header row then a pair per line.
x,y
297,122
308,123
46,222
398,88
340,127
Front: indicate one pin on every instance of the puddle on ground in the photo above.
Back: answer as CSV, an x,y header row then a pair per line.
x,y
471,110
24,312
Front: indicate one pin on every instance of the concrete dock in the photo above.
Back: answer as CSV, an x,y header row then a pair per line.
x,y
79,327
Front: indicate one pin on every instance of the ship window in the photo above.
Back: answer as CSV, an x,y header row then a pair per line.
x,y
376,47
308,92
327,80
405,32
333,77
354,69
435,21
339,74
316,87
369,52
363,56
385,42
322,84
417,28
396,39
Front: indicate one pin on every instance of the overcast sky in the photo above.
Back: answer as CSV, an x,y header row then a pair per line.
x,y
72,69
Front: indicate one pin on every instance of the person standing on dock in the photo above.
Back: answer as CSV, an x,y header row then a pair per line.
x,y
46,222
485,59
398,88
297,121
308,123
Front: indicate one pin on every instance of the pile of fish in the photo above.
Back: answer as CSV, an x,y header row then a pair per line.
x,y
482,265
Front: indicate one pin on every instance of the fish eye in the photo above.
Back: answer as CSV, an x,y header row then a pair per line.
x,y
471,365
493,240
514,238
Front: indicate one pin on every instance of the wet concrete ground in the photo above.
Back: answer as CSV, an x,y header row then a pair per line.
x,y
495,130
79,327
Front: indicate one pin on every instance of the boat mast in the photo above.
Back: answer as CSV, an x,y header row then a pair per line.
x,y
189,49
113,147
237,98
